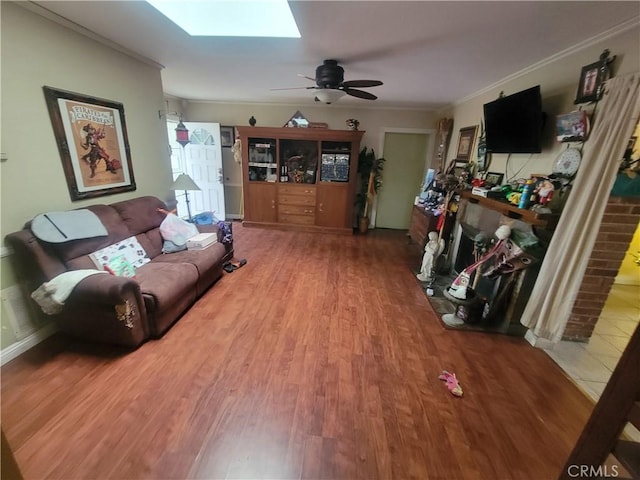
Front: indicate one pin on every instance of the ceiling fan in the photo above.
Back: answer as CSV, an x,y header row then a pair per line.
x,y
330,84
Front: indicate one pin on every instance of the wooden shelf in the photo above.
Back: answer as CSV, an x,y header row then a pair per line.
x,y
547,221
289,189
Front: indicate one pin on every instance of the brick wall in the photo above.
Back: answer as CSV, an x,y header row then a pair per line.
x,y
616,231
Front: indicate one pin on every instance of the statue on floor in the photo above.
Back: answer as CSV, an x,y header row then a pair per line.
x,y
432,250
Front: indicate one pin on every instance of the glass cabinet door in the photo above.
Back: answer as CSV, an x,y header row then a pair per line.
x,y
263,166
336,157
298,161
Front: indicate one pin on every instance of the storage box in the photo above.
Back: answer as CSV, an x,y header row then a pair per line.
x,y
201,241
480,191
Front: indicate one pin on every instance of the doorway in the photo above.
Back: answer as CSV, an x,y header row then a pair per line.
x,y
406,153
201,159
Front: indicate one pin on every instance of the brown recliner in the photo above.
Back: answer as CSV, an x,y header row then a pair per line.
x,y
120,310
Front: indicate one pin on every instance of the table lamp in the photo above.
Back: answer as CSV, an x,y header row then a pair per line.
x,y
186,183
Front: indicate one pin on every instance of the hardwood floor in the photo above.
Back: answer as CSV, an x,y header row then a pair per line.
x,y
318,359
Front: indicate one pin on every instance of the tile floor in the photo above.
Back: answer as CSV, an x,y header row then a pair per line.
x,y
590,364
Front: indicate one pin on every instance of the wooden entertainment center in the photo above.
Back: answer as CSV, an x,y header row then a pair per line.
x,y
299,178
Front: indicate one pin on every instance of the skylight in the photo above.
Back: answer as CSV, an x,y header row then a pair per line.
x,y
230,18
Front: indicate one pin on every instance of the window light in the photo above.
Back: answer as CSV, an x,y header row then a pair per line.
x,y
230,18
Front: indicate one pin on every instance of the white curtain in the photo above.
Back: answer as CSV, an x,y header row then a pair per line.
x,y
565,262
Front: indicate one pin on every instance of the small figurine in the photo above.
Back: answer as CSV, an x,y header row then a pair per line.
x,y
252,121
544,190
352,123
432,250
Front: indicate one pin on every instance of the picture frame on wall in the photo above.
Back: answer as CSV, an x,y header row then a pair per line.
x,y
572,127
91,136
592,78
227,136
493,179
465,143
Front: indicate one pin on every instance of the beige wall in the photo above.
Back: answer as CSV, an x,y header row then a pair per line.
x,y
37,52
558,81
32,176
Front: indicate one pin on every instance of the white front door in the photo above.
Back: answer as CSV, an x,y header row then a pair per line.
x,y
202,161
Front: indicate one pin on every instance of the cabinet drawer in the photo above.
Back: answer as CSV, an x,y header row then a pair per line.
x,y
297,200
302,190
297,219
296,210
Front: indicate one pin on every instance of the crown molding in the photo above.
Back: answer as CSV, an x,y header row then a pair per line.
x,y
607,34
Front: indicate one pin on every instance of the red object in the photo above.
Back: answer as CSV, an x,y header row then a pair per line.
x,y
182,134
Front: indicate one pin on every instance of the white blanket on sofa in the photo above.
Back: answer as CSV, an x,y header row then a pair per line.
x,y
52,294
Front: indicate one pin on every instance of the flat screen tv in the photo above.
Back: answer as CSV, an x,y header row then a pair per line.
x,y
513,124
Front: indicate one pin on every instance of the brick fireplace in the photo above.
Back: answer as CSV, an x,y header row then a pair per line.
x,y
619,223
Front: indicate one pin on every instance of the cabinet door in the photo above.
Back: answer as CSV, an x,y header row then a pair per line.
x,y
261,160
331,206
260,202
298,161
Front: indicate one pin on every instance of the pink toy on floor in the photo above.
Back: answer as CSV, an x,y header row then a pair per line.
x,y
452,383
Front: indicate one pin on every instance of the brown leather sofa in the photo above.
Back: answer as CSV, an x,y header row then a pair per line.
x,y
120,310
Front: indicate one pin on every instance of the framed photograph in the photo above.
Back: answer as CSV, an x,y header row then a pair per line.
x,y
92,140
465,143
493,179
572,127
227,136
592,78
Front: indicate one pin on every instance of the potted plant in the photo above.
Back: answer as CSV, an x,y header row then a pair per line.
x,y
370,182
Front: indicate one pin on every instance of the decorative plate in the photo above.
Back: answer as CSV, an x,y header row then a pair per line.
x,y
567,162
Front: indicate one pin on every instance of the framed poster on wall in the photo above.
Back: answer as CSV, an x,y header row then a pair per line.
x,y
91,135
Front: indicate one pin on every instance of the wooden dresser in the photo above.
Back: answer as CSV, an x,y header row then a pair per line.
x,y
422,222
297,204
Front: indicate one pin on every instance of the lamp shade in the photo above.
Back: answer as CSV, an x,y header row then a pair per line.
x,y
184,182
329,95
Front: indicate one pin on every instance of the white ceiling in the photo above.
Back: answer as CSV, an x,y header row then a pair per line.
x,y
428,54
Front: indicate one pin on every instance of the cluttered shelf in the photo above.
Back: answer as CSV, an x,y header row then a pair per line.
x,y
547,221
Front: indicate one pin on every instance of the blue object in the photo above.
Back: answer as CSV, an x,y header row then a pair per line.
x,y
526,195
205,218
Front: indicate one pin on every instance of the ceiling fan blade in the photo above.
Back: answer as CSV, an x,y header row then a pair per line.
x,y
294,88
362,83
307,77
360,94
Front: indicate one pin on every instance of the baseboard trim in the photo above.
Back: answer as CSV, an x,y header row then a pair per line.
x,y
538,342
21,346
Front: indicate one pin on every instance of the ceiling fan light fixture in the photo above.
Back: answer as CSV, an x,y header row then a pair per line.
x,y
329,95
